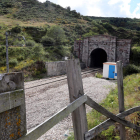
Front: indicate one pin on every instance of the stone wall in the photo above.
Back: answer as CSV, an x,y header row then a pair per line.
x,y
84,52
123,50
58,68
107,43
116,49
78,48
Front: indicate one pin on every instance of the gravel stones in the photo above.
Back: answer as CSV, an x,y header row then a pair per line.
x,y
44,101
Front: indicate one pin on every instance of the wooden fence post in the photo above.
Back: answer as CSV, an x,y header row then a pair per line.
x,y
75,91
12,106
120,96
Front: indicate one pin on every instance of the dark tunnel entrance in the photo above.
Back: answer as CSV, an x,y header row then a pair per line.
x,y
98,57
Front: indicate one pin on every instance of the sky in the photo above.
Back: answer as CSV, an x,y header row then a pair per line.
x,y
103,8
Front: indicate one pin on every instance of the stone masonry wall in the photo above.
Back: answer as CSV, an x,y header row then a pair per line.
x,y
116,49
78,48
123,50
85,52
107,43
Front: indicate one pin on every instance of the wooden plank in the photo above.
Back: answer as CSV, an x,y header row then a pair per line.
x,y
108,114
48,124
120,96
75,91
12,99
103,126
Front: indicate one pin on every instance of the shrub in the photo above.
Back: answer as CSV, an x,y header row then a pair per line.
x,y
30,43
13,62
47,41
38,52
57,33
16,29
130,69
107,26
98,75
20,58
19,43
87,18
79,29
135,57
3,62
8,4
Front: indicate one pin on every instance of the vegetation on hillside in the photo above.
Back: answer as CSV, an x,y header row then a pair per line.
x,y
54,29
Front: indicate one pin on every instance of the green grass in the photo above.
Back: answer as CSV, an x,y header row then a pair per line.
x,y
132,99
98,75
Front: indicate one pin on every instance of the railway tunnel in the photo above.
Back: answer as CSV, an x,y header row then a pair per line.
x,y
97,58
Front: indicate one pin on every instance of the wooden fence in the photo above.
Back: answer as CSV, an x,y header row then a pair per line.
x,y
77,107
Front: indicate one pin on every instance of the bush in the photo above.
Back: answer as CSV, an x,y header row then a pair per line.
x,y
58,34
16,29
79,29
30,43
47,41
135,57
98,75
3,62
107,26
38,52
13,62
19,43
20,58
130,69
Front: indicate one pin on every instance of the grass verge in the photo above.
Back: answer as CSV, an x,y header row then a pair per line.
x,y
132,99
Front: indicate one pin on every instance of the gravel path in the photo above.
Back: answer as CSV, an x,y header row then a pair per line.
x,y
43,102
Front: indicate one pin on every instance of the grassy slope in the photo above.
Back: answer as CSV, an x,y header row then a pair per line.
x,y
37,14
132,99
35,18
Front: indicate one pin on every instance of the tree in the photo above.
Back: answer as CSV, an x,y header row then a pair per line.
x,y
57,33
68,8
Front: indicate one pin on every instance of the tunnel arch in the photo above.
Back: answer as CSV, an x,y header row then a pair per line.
x,y
97,58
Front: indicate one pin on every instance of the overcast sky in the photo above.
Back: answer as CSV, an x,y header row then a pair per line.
x,y
103,8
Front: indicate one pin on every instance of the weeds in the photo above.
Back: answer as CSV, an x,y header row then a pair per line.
x,y
98,75
132,99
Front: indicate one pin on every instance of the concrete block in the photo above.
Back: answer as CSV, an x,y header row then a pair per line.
x,y
12,106
56,68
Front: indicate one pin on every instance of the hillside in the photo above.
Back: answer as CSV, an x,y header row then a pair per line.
x,y
26,13
50,31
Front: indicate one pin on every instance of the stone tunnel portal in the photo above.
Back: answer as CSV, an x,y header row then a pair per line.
x,y
97,58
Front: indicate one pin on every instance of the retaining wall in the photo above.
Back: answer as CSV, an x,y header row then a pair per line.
x,y
56,68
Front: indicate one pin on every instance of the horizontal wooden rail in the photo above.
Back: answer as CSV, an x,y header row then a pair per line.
x,y
103,126
110,115
48,124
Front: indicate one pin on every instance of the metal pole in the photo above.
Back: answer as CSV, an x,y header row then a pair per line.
x,y
7,60
79,47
